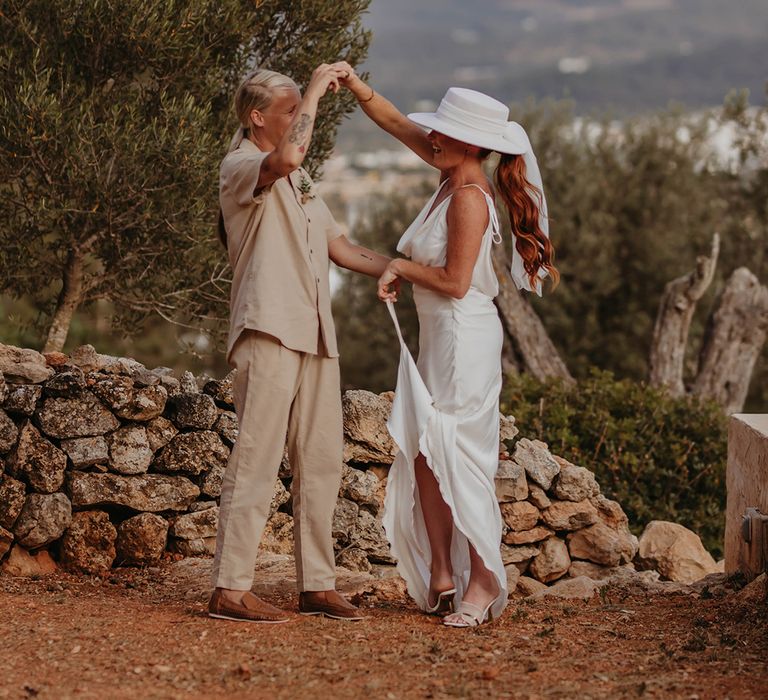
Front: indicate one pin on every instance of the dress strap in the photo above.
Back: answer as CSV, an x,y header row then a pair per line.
x,y
391,309
495,225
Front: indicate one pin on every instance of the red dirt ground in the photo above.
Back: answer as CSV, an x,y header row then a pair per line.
x,y
144,634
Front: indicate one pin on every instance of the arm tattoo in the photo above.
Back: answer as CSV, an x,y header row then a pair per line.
x,y
299,129
367,257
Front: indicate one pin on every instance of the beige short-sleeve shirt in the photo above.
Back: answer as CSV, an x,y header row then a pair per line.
x,y
278,250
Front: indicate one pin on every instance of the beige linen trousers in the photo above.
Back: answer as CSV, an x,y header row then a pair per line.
x,y
278,390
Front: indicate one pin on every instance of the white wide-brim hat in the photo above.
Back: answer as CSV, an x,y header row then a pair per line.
x,y
480,120
476,119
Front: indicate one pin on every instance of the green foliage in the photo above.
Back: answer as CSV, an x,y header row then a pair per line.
x,y
114,119
632,205
661,458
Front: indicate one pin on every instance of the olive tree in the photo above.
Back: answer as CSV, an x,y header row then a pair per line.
x,y
113,120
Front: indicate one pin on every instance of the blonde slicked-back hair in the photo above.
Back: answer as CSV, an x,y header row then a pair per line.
x,y
256,92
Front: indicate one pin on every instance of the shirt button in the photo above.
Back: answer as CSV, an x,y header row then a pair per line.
x,y
318,280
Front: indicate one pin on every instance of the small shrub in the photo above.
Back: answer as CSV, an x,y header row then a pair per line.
x,y
662,458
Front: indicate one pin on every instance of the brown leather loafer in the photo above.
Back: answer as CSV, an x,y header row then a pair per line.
x,y
317,603
249,609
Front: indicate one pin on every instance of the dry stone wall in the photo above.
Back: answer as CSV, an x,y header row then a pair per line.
x,y
105,463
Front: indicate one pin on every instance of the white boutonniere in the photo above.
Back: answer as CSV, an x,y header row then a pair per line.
x,y
306,188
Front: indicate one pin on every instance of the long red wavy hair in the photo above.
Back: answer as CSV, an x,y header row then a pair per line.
x,y
523,202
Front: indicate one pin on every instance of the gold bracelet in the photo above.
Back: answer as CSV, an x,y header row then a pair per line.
x,y
373,94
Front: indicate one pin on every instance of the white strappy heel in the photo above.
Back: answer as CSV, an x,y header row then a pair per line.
x,y
444,604
471,615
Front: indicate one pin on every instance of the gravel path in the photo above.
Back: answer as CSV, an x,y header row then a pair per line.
x,y
144,634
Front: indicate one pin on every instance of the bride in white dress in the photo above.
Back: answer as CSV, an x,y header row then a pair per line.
x,y
441,515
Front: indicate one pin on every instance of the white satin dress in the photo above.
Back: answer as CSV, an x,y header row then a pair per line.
x,y
446,406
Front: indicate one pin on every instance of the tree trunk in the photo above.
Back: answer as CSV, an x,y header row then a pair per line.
x,y
68,301
733,341
536,354
510,363
670,334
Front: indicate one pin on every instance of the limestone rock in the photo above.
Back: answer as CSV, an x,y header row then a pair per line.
x,y
210,482
54,359
160,431
369,536
536,459
344,521
521,554
115,391
280,496
192,453
507,428
594,571
579,588
171,384
538,496
22,400
227,426
222,391
278,534
188,383
574,483
601,544
510,482
141,539
3,389
553,561
611,513
754,593
128,402
148,402
11,500
37,461
68,382
82,416
513,576
84,452
365,428
194,526
354,559
201,505
144,492
6,540
520,515
194,548
527,586
569,515
42,520
9,433
192,411
129,451
22,563
145,377
87,359
285,471
88,545
675,552
22,365
360,487
535,534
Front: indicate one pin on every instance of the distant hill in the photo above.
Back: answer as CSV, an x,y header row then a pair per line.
x,y
636,55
